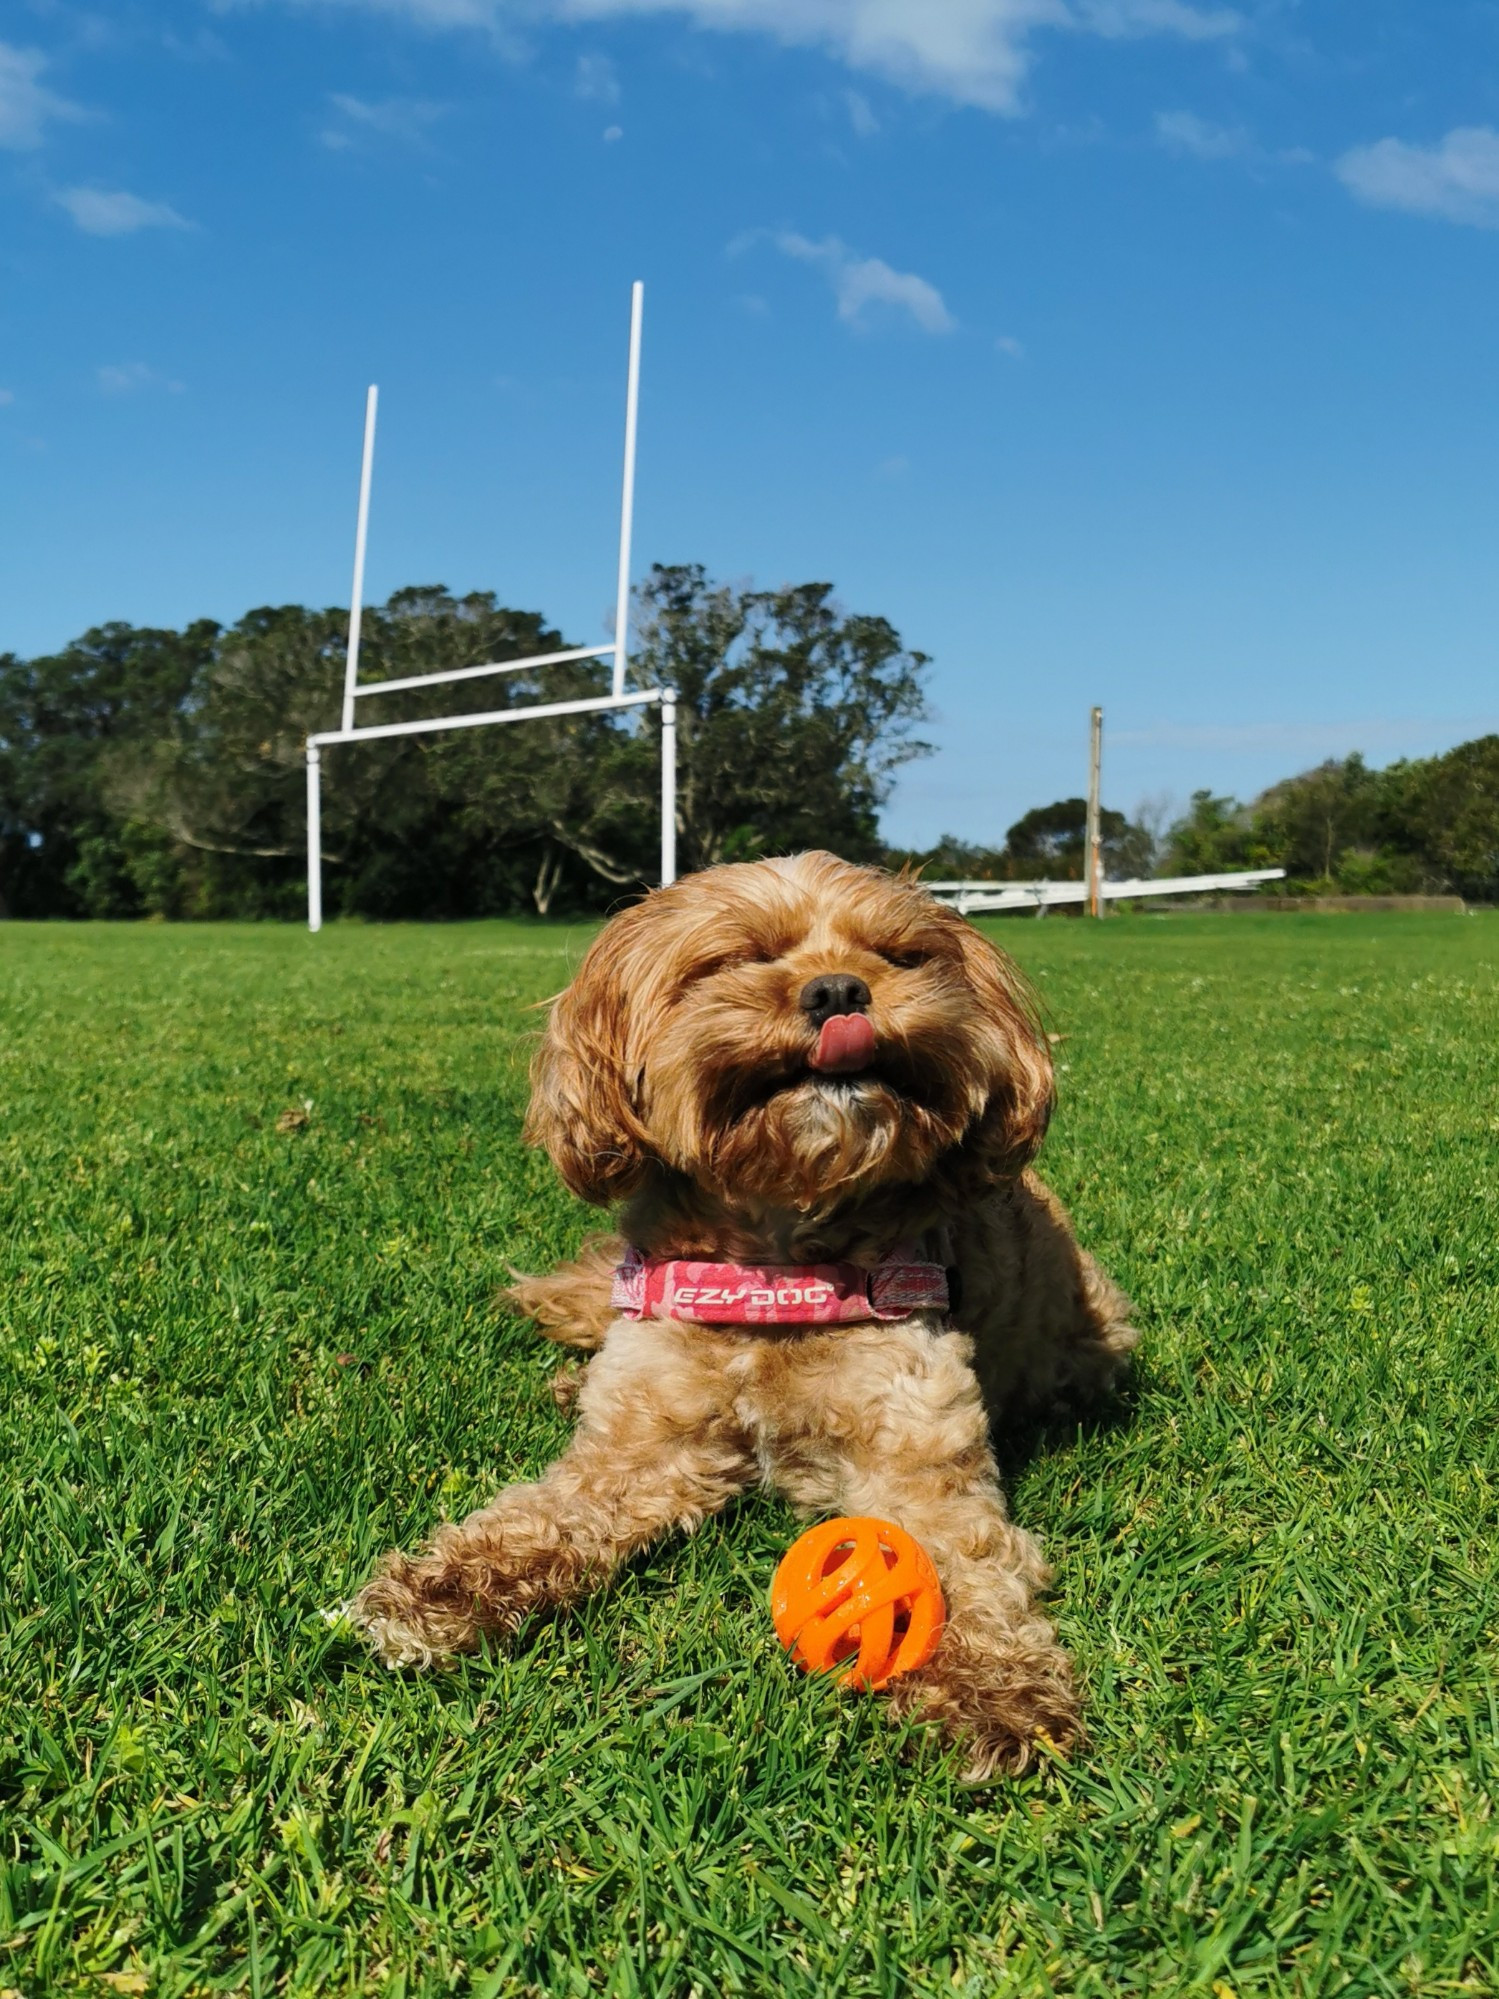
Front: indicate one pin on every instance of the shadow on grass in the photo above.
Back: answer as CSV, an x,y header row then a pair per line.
x,y
1020,1440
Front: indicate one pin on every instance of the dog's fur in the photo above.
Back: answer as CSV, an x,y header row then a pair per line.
x,y
674,1077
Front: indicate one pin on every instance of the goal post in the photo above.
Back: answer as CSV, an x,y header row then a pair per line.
x,y
617,651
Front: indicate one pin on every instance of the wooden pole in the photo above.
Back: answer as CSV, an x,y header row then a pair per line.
x,y
1093,845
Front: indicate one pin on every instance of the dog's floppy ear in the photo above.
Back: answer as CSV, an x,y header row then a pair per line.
x,y
1021,1089
583,1109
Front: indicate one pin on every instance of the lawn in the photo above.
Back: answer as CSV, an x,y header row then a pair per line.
x,y
238,1360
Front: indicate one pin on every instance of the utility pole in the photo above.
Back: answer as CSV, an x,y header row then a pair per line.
x,y
1092,845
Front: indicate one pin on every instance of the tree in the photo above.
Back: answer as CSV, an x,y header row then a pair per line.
x,y
1312,821
1049,841
164,772
793,715
1446,810
63,718
435,825
1422,825
1212,837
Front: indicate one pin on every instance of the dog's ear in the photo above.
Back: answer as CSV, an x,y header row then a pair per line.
x,y
583,1108
1008,1132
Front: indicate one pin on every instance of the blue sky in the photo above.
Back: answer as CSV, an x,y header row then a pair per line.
x,y
1131,351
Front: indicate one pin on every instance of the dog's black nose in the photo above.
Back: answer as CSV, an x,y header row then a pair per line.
x,y
833,992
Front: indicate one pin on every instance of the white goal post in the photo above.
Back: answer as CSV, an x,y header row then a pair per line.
x,y
619,649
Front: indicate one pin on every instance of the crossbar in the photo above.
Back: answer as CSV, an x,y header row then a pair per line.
x,y
596,705
667,696
478,672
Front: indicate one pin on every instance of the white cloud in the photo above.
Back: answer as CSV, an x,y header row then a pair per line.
x,y
613,133
1185,132
972,51
25,102
1008,344
121,378
7,396
99,212
860,282
597,79
427,13
405,119
1120,18
860,114
1458,178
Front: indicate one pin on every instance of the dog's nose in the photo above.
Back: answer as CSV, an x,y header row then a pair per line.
x,y
833,992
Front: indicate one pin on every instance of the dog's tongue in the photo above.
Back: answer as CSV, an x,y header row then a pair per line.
x,y
845,1045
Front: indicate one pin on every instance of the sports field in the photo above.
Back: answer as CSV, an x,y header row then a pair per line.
x,y
242,1352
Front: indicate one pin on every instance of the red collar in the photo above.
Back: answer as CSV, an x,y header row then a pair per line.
x,y
777,1294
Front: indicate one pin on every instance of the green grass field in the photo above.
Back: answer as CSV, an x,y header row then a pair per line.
x,y
1276,1566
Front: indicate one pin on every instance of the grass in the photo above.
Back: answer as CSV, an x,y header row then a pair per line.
x,y
236,1362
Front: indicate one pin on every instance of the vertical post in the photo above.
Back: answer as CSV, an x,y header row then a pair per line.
x,y
627,501
361,531
668,786
1093,844
314,839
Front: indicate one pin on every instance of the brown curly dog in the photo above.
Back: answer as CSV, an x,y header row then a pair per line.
x,y
796,1063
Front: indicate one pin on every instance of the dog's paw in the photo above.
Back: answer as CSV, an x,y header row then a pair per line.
x,y
998,1745
415,1615
1002,1714
398,1641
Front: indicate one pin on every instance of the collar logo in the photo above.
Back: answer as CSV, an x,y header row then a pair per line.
x,y
777,1294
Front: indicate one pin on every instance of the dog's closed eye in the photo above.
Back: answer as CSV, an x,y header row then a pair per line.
x,y
904,957
732,960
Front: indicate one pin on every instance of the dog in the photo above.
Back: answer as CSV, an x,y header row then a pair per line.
x,y
779,1069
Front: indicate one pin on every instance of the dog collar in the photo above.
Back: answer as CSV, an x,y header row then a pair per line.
x,y
776,1294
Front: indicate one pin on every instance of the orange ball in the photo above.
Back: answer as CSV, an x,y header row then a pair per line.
x,y
858,1586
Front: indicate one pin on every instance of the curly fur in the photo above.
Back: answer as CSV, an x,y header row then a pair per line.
x,y
674,1077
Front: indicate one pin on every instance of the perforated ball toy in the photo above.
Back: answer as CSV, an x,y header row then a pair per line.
x,y
862,1587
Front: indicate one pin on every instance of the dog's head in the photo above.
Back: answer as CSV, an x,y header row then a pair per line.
x,y
794,1032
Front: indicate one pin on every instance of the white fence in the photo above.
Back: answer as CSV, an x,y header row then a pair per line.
x,y
975,897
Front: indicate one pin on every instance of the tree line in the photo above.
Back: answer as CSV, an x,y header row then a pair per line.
x,y
1423,826
160,773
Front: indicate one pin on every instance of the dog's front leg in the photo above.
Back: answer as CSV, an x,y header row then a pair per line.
x,y
653,1450
913,1448
999,1683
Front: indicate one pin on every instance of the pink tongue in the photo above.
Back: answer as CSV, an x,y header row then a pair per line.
x,y
846,1044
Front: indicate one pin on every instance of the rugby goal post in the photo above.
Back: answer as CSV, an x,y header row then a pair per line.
x,y
618,649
